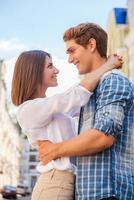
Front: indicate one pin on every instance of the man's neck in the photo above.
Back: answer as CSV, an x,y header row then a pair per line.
x,y
97,62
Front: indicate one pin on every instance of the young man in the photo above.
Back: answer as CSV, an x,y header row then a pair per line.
x,y
105,144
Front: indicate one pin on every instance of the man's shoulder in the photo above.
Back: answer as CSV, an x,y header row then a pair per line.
x,y
115,83
115,75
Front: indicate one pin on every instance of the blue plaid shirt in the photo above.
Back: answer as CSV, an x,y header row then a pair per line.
x,y
111,172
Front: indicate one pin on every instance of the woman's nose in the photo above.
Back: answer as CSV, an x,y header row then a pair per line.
x,y
56,71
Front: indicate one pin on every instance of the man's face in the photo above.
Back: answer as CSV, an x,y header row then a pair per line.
x,y
80,56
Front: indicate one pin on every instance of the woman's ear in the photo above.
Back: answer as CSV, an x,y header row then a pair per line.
x,y
92,44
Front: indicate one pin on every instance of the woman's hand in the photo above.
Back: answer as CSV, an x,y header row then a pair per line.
x,y
114,61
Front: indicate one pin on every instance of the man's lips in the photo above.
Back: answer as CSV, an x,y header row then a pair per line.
x,y
76,63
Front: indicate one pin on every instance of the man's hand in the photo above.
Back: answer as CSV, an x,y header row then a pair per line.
x,y
47,151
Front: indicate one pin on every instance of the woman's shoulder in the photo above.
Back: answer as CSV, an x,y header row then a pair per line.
x,y
25,106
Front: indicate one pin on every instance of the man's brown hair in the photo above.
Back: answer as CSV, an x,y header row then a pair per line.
x,y
28,75
83,32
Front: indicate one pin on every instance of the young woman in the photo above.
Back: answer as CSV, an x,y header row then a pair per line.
x,y
51,118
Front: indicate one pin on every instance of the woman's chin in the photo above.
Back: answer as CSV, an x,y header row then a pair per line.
x,y
55,85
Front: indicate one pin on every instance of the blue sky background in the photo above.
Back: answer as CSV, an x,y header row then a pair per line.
x,y
39,24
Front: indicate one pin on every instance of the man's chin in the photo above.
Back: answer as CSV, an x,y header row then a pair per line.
x,y
81,72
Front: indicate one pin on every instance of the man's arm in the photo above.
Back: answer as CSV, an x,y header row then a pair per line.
x,y
87,143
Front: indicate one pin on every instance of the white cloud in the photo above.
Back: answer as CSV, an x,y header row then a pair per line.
x,y
11,45
9,69
9,48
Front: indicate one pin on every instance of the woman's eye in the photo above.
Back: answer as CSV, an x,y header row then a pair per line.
x,y
50,66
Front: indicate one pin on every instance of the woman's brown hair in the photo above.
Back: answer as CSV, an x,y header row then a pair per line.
x,y
28,74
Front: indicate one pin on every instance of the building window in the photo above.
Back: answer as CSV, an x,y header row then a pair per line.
x,y
33,180
32,167
33,150
32,158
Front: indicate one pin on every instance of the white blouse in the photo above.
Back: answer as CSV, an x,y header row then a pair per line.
x,y
51,118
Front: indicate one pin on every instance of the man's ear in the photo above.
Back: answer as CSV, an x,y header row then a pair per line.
x,y
92,44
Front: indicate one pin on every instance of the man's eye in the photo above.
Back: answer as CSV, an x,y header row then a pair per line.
x,y
72,50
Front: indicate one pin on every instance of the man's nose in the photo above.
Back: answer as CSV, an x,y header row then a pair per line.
x,y
70,59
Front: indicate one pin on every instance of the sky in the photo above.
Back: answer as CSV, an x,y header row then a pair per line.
x,y
40,24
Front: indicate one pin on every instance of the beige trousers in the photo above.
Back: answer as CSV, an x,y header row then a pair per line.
x,y
54,185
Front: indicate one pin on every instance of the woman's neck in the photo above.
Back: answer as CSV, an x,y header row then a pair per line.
x,y
39,94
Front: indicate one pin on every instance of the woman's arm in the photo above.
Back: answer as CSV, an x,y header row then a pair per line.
x,y
90,80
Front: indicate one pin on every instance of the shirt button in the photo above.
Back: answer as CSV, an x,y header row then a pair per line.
x,y
106,114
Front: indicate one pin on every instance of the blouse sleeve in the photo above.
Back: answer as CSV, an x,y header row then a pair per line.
x,y
39,112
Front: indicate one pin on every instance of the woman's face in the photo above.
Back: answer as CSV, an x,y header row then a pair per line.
x,y
50,74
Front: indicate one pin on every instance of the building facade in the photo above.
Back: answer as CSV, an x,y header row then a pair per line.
x,y
10,140
129,40
121,38
116,39
29,161
17,160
